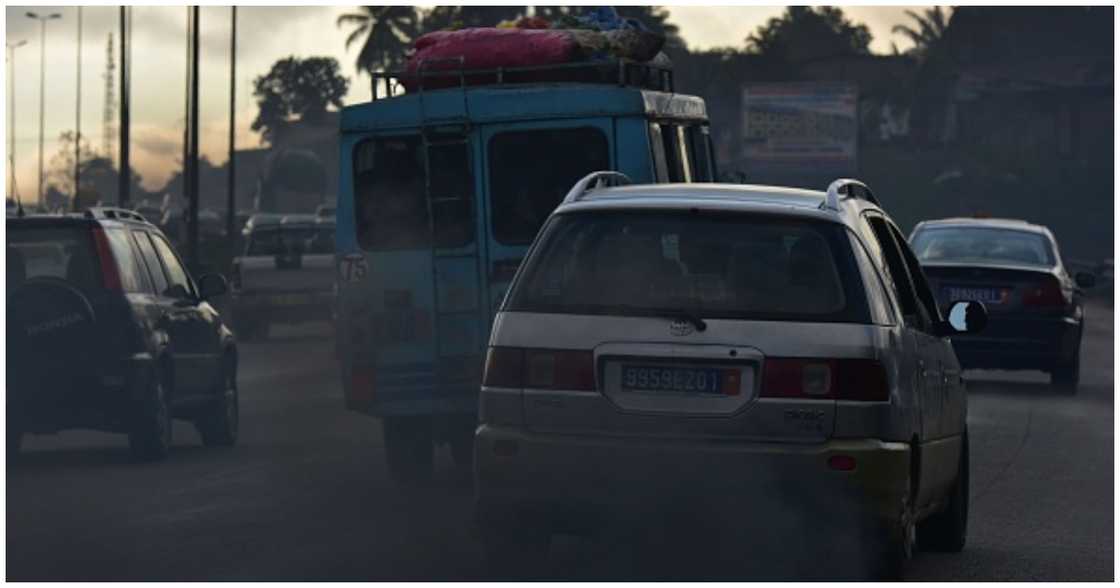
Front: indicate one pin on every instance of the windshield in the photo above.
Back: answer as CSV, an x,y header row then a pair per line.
x,y
983,244
291,241
723,266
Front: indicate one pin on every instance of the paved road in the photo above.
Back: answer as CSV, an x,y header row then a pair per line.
x,y
304,496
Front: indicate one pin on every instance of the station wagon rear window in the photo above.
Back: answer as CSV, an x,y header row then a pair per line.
x,y
531,172
715,266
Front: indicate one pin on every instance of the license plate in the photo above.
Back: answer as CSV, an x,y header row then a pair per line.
x,y
681,380
981,294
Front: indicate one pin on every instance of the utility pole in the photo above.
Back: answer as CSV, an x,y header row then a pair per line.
x,y
192,223
231,202
78,121
124,177
12,116
42,71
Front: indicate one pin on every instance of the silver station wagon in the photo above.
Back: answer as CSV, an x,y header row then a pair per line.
x,y
765,357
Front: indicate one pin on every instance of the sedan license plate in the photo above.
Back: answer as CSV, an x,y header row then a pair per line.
x,y
980,294
681,380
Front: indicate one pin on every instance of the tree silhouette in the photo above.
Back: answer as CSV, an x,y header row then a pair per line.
x,y
806,33
930,28
388,31
296,87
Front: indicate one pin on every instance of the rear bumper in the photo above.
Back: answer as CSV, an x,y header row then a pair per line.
x,y
1020,343
579,478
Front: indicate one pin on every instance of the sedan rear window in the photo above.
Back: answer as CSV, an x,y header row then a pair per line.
x,y
983,244
725,266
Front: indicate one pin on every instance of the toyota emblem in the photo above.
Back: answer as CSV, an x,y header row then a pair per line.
x,y
680,328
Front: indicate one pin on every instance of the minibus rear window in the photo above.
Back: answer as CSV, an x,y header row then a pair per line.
x,y
390,196
531,172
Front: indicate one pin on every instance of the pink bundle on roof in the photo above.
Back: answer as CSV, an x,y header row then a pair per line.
x,y
486,48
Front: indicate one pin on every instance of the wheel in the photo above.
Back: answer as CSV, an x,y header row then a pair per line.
x,y
1067,375
219,427
409,447
515,552
946,531
150,435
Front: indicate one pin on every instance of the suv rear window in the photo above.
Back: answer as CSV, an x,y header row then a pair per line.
x,y
65,253
725,266
531,172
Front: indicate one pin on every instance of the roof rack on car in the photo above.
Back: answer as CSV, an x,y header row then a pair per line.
x,y
593,180
850,189
114,213
623,72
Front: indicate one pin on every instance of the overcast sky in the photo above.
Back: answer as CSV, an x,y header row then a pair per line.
x,y
265,34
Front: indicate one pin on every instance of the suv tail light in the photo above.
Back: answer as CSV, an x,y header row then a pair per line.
x,y
1045,293
110,275
836,379
550,369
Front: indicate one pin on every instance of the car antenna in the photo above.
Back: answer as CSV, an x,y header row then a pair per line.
x,y
19,206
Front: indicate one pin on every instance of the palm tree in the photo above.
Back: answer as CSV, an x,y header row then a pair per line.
x,y
388,31
931,25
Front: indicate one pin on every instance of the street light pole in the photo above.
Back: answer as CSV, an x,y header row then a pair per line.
x,y
42,82
78,121
231,203
12,115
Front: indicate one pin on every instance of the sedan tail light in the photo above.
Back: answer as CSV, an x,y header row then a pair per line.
x,y
550,369
1047,293
837,379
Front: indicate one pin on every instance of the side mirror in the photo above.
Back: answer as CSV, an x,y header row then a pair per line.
x,y
965,317
1085,280
212,286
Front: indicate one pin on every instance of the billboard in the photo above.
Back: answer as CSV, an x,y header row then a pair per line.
x,y
802,128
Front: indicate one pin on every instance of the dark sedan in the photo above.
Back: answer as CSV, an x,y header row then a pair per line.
x,y
1016,270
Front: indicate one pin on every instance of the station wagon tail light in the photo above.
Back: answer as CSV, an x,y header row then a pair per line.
x,y
835,379
503,367
548,369
110,275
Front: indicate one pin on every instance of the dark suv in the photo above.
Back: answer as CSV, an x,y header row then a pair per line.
x,y
107,331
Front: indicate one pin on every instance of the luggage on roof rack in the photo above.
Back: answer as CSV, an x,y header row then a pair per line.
x,y
493,56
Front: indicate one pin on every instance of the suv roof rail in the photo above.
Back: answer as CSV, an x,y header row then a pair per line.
x,y
593,180
114,213
851,189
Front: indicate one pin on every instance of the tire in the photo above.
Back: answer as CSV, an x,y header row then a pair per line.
x,y
220,426
947,530
409,448
150,436
515,552
1067,375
